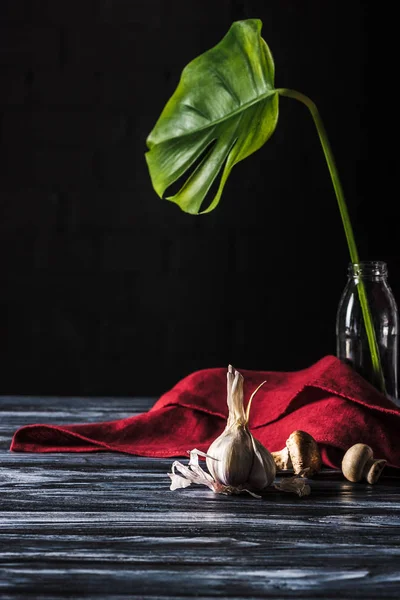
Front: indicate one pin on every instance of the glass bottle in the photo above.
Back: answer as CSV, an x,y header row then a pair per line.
x,y
351,338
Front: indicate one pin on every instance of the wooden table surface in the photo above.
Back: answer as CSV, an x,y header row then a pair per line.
x,y
106,525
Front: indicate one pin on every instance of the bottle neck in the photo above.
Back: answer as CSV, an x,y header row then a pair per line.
x,y
370,270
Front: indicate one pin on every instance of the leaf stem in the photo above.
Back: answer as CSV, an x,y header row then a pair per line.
x,y
369,327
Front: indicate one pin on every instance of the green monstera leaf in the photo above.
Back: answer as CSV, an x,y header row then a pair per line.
x,y
224,109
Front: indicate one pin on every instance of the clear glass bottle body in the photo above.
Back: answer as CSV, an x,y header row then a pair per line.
x,y
351,338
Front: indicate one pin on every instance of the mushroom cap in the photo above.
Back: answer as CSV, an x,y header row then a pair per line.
x,y
354,461
304,452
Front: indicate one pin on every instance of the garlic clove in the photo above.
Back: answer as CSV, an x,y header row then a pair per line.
x,y
232,456
263,471
282,459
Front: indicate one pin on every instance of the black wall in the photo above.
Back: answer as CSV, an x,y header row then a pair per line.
x,y
105,288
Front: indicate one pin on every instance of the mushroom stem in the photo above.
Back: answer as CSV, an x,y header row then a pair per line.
x,y
373,469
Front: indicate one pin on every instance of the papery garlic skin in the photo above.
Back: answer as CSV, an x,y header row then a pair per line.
x,y
236,458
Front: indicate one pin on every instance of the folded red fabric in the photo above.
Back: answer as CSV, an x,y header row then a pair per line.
x,y
329,400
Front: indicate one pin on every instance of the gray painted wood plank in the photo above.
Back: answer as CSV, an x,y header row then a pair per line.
x,y
106,525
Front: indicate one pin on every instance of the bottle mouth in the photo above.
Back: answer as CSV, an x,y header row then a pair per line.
x,y
368,268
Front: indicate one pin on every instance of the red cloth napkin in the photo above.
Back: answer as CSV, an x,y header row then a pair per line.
x,y
329,400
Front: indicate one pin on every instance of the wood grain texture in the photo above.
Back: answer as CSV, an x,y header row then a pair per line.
x,y
106,526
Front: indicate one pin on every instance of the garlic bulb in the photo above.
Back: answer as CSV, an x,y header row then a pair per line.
x,y
236,458
237,462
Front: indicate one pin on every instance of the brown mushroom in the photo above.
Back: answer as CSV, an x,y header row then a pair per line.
x,y
300,453
359,463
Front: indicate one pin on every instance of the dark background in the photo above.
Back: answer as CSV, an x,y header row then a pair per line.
x,y
105,288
